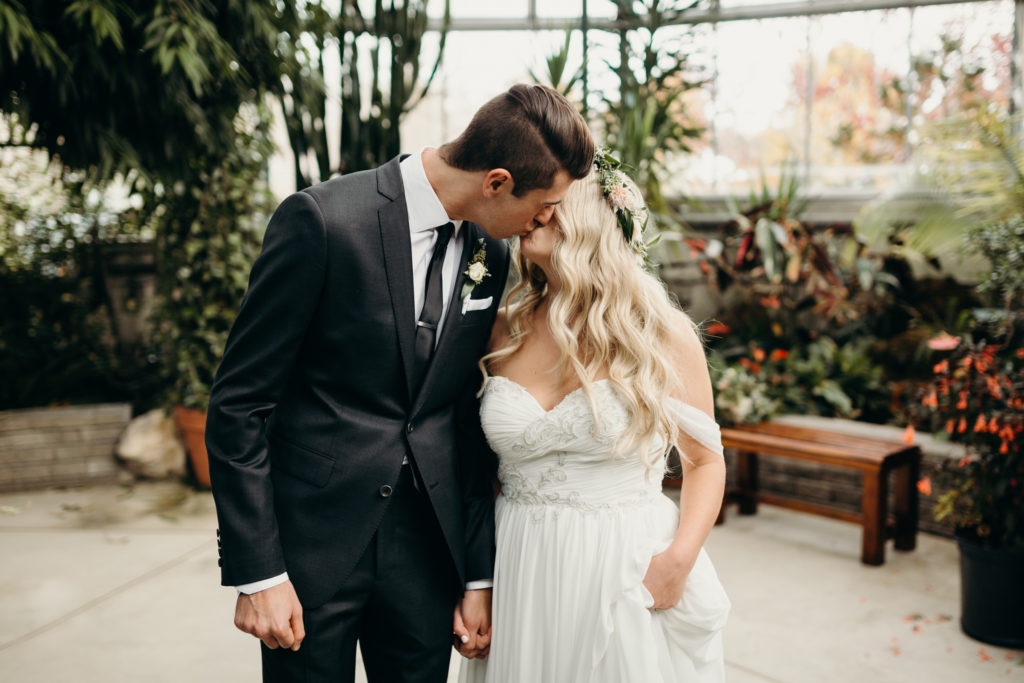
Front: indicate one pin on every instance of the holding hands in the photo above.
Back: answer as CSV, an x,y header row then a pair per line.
x,y
472,624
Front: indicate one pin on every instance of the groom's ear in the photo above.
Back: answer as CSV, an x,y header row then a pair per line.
x,y
496,181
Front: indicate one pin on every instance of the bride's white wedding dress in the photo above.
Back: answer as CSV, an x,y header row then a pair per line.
x,y
576,530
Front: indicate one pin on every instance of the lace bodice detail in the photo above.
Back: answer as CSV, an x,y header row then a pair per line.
x,y
562,456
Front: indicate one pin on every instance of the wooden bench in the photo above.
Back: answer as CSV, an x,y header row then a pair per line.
x,y
874,458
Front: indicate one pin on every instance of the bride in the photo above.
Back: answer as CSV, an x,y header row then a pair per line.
x,y
592,377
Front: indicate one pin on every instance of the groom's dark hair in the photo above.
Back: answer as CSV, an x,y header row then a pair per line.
x,y
532,132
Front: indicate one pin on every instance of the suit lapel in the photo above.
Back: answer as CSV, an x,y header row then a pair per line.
x,y
395,243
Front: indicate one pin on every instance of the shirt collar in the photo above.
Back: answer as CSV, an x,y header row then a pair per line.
x,y
425,209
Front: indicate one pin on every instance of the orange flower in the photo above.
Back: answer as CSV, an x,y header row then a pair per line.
x,y
759,355
993,425
924,485
949,425
981,425
961,426
717,328
931,399
908,435
771,302
941,367
962,403
1019,352
779,354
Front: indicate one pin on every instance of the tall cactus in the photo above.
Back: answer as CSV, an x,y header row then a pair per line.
x,y
371,113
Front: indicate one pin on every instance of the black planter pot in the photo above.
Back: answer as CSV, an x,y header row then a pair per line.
x,y
992,594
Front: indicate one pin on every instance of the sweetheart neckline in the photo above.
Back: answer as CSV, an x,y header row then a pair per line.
x,y
534,398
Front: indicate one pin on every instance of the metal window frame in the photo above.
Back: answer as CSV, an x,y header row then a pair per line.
x,y
531,22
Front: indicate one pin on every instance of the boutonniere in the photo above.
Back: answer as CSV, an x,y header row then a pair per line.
x,y
476,271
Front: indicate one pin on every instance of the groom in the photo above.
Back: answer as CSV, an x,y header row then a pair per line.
x,y
351,478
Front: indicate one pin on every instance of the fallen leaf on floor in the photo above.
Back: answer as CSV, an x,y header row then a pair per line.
x,y
10,510
170,500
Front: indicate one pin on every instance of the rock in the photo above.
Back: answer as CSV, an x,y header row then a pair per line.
x,y
150,446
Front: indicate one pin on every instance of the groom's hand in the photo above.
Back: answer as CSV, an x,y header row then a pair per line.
x,y
472,624
273,615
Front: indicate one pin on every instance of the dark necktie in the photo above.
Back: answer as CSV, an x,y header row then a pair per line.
x,y
426,326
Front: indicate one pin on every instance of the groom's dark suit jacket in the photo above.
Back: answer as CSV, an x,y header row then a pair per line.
x,y
311,413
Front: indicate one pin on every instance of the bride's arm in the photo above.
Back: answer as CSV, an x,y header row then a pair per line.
x,y
703,478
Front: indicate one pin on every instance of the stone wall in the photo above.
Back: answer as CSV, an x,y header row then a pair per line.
x,y
41,447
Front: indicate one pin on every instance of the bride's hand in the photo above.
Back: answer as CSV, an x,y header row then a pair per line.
x,y
665,579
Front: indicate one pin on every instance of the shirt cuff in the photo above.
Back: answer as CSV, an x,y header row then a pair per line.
x,y
479,585
257,586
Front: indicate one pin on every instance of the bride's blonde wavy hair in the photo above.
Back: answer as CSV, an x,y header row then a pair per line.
x,y
610,313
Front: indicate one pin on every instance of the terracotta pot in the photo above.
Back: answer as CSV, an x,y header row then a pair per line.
x,y
193,425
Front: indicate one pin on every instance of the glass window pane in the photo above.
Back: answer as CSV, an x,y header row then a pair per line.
x,y
596,9
758,110
961,54
476,9
858,119
466,80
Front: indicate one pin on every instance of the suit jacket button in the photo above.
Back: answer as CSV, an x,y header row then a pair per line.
x,y
386,491
409,428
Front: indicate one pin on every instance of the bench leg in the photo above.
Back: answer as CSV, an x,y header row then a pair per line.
x,y
747,477
874,511
906,505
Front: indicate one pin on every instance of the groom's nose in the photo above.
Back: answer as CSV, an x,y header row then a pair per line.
x,y
544,217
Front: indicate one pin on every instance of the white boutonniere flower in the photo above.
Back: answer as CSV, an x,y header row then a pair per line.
x,y
476,271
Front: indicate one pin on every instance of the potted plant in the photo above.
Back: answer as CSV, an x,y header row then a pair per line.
x,y
976,398
976,395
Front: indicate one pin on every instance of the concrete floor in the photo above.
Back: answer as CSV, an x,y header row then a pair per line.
x,y
120,584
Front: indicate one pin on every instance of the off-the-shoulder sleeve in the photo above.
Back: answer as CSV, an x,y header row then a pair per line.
x,y
697,424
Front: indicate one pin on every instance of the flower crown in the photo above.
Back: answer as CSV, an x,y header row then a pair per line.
x,y
624,199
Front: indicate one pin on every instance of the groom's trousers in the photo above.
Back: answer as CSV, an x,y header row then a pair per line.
x,y
397,603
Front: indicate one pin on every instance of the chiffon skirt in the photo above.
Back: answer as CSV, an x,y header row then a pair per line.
x,y
569,604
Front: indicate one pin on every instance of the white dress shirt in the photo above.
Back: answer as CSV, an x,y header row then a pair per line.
x,y
426,214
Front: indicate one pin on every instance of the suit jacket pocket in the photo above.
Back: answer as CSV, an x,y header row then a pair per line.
x,y
300,462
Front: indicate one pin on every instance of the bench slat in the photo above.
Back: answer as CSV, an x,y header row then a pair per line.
x,y
769,444
808,506
822,436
